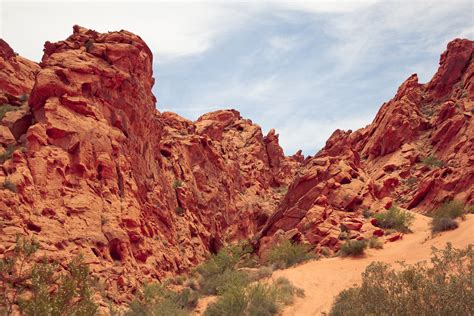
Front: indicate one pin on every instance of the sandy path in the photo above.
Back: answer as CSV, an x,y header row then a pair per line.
x,y
322,280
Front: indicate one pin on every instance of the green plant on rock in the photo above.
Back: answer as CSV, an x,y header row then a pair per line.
x,y
5,108
8,185
432,162
367,213
179,211
444,287
7,154
23,98
177,183
396,219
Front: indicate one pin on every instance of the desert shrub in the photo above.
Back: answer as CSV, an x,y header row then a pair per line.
x,y
325,251
177,184
353,248
441,224
411,181
343,228
264,272
343,236
395,218
260,273
192,283
30,284
286,291
157,300
219,271
367,213
7,154
179,211
256,299
444,287
8,185
449,209
233,302
432,162
24,97
470,209
375,243
219,283
5,108
445,215
286,254
283,189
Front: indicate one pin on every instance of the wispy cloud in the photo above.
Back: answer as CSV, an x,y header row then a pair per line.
x,y
304,68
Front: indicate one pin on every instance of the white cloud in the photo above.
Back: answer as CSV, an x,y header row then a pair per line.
x,y
170,29
326,6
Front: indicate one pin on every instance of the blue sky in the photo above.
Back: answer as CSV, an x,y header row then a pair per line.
x,y
303,68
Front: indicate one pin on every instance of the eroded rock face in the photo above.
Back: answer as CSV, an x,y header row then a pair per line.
x,y
417,153
93,168
104,174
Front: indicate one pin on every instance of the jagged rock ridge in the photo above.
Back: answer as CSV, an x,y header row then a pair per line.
x,y
90,166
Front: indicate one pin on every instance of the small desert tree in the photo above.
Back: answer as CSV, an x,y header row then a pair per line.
x,y
38,288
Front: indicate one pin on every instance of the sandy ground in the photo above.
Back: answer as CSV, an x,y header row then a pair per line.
x,y
322,280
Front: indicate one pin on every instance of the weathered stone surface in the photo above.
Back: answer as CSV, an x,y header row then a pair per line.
x,y
105,174
415,154
143,194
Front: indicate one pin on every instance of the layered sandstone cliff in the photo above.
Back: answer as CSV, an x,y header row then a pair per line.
x,y
89,166
417,153
99,171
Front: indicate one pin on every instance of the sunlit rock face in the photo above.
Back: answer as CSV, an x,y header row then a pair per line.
x,y
90,166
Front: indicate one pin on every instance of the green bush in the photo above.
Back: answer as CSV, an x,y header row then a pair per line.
x,y
8,185
179,211
233,303
256,299
157,300
219,283
219,271
432,162
445,215
449,209
7,154
177,184
441,224
395,218
29,284
367,213
286,254
262,273
375,243
444,287
353,248
5,108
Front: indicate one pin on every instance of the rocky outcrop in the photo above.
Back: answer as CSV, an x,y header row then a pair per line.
x,y
417,153
90,166
101,172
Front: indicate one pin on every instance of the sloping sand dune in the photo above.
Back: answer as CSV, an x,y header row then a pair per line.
x,y
322,280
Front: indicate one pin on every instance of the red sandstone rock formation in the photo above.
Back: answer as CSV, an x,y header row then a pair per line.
x,y
389,160
89,165
99,171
